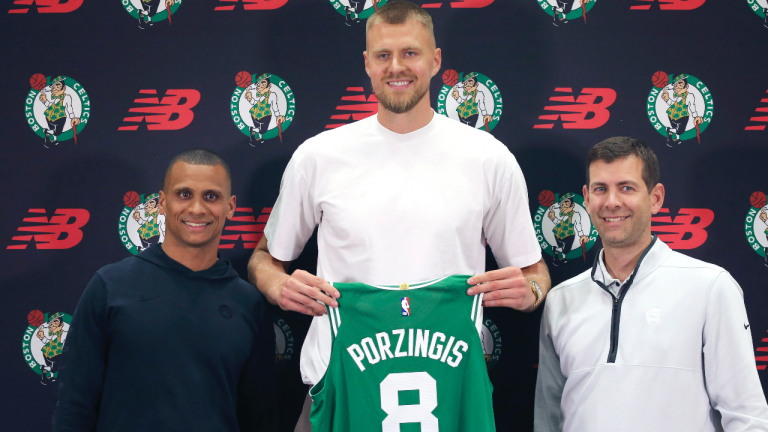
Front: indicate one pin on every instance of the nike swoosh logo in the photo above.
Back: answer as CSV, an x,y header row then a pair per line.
x,y
746,326
145,297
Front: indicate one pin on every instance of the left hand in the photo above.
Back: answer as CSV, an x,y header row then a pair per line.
x,y
698,120
584,240
280,119
169,3
503,287
487,119
75,122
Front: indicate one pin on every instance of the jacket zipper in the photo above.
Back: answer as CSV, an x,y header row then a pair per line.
x,y
617,301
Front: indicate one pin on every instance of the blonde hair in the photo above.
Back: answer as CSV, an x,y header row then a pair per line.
x,y
398,12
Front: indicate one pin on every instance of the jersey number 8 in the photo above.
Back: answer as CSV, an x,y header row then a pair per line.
x,y
420,413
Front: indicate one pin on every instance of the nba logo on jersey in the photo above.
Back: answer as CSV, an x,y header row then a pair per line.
x,y
405,306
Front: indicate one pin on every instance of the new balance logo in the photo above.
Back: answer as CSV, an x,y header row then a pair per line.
x,y
249,232
668,4
46,6
65,221
362,109
458,4
760,118
762,358
585,105
251,4
683,232
166,114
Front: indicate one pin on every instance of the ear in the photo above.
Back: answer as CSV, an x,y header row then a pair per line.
x,y
585,194
367,67
232,206
657,198
437,58
161,202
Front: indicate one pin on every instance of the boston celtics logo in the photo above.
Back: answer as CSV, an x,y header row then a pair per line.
x,y
283,341
473,99
148,12
563,227
142,222
563,11
679,107
43,343
262,107
57,109
491,338
756,225
760,7
356,10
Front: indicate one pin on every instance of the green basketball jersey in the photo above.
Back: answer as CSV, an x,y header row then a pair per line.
x,y
405,359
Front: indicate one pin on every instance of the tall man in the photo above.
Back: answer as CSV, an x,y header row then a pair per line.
x,y
648,339
172,339
403,196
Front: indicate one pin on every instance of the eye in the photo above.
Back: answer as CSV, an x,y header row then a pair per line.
x,y
210,196
383,56
600,189
184,194
627,188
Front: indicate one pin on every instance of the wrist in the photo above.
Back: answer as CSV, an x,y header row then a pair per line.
x,y
537,293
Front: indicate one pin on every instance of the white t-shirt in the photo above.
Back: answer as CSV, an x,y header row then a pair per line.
x,y
394,208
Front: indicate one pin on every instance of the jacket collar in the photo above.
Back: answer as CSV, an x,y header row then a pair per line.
x,y
653,256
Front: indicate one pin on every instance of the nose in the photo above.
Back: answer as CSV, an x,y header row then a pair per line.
x,y
613,200
397,65
197,206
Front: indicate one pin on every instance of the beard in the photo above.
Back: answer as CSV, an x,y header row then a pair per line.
x,y
403,103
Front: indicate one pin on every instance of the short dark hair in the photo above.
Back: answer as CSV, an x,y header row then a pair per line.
x,y
199,156
622,147
398,12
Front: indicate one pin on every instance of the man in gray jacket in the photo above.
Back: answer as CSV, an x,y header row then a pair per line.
x,y
648,339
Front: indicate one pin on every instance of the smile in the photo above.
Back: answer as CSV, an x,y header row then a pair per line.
x,y
197,225
399,83
615,219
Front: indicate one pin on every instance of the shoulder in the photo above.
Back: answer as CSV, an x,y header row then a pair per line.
x,y
123,269
676,261
581,280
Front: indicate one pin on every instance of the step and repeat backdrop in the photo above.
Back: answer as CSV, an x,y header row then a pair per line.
x,y
98,95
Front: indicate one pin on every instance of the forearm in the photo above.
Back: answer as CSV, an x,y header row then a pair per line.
x,y
265,272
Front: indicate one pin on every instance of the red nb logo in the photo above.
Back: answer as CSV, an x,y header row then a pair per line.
x,y
682,232
586,105
159,112
252,4
47,6
250,231
669,4
363,107
458,4
759,357
762,116
65,221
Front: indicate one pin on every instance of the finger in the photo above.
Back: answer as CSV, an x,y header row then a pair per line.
x,y
316,281
300,303
512,293
504,284
315,294
502,273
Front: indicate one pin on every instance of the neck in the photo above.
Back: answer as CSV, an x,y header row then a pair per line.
x,y
193,258
620,262
407,122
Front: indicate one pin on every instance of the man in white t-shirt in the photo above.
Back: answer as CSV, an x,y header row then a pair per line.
x,y
404,196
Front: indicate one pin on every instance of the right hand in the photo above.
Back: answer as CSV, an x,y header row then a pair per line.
x,y
551,215
455,94
136,216
665,95
248,96
43,99
300,293
40,334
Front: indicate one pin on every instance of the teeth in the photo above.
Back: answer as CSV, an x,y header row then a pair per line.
x,y
195,225
398,83
616,219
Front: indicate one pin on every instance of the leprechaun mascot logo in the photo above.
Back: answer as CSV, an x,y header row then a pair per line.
x,y
563,11
356,10
760,7
680,107
43,343
563,227
262,106
149,12
756,225
142,222
57,109
472,98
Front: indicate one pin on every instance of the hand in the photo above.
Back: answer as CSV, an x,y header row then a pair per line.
x,y
40,334
698,120
584,240
43,99
665,95
168,3
551,215
75,122
280,119
300,291
455,94
136,216
248,96
503,287
487,119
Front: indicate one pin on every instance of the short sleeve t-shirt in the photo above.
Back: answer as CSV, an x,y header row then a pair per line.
x,y
394,208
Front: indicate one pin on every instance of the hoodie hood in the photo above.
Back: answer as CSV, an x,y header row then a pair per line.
x,y
222,269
